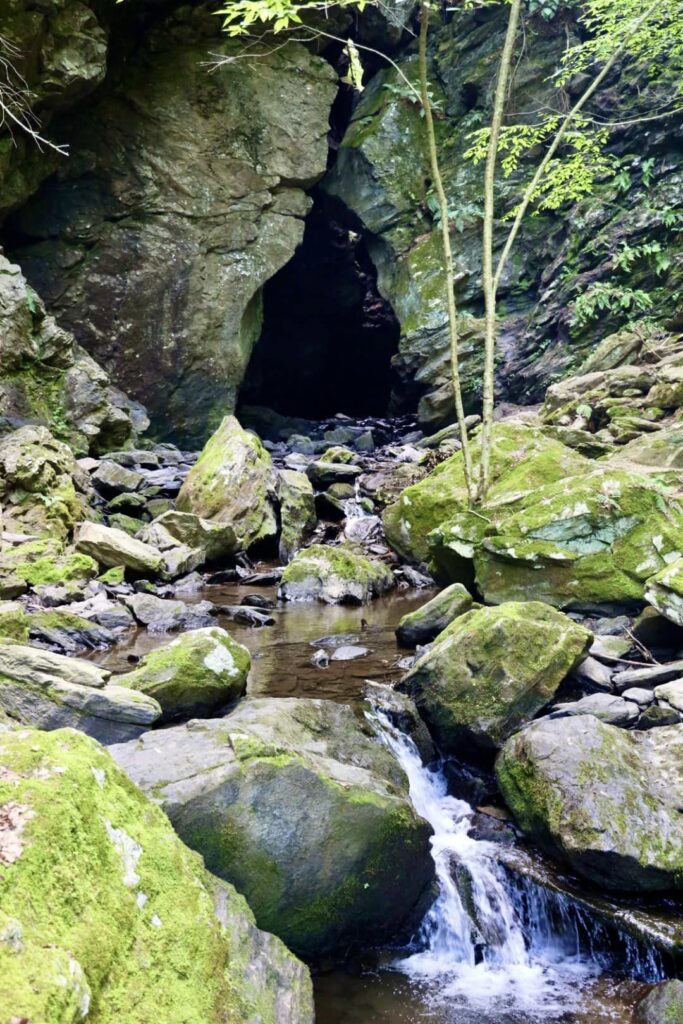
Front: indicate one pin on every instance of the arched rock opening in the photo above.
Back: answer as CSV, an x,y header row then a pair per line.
x,y
328,337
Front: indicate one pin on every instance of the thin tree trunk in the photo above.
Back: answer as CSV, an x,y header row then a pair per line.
x,y
540,171
487,276
447,250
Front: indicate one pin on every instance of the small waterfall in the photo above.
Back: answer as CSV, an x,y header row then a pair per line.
x,y
491,943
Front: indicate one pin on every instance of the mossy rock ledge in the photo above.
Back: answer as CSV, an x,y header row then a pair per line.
x,y
197,673
491,671
299,805
522,460
604,800
50,691
334,575
106,916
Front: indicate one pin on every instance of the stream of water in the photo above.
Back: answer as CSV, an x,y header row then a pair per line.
x,y
489,951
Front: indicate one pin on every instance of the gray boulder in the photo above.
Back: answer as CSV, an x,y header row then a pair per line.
x,y
663,1005
111,547
604,800
299,804
160,614
605,706
49,691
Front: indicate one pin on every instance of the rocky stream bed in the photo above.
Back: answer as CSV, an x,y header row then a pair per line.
x,y
265,702
289,730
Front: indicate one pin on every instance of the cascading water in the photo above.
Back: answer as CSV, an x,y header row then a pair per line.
x,y
494,948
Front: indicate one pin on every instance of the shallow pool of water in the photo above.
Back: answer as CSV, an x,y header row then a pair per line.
x,y
387,997
281,654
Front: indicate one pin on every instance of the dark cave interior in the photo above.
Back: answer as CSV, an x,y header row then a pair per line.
x,y
328,337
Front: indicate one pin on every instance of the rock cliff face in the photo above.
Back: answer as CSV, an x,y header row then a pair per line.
x,y
46,378
381,173
183,194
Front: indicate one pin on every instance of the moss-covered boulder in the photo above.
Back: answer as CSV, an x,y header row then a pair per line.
x,y
106,916
297,511
663,1005
491,671
334,575
522,459
233,482
37,490
50,691
299,805
426,622
196,674
604,800
112,548
584,542
664,591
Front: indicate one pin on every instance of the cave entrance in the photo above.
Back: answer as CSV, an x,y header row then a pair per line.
x,y
328,337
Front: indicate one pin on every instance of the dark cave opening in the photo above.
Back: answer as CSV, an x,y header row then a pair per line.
x,y
328,336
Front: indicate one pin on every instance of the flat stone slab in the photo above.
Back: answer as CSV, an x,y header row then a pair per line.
x,y
649,675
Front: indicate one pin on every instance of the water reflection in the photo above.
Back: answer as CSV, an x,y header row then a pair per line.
x,y
281,654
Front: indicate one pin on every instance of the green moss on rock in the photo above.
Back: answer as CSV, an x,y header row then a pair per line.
x,y
522,460
197,673
584,542
233,482
105,913
603,799
491,671
334,575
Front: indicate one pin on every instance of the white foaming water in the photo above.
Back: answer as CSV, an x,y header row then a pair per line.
x,y
475,953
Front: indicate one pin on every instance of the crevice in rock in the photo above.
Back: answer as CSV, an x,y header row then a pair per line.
x,y
328,337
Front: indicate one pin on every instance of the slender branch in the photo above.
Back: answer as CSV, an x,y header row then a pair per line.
x,y
315,33
15,101
540,170
447,249
487,247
